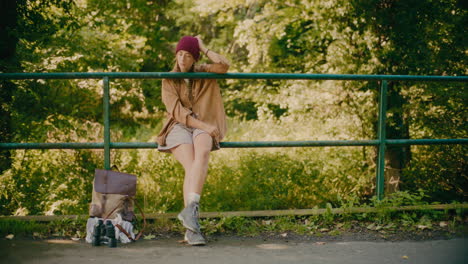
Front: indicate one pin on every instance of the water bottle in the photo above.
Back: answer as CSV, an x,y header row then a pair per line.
x,y
110,234
98,227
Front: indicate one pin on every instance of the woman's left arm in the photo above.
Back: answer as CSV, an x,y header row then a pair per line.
x,y
221,64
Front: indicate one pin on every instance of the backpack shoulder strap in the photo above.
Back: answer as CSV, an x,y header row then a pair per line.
x,y
144,221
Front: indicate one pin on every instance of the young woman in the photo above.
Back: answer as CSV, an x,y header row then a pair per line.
x,y
196,124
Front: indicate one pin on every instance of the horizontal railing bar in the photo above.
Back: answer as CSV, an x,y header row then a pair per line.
x,y
143,145
68,145
426,141
245,144
203,75
261,213
317,143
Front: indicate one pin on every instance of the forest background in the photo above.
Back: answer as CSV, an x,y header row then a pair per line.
x,y
416,37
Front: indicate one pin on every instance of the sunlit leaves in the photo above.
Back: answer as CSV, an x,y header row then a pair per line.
x,y
308,36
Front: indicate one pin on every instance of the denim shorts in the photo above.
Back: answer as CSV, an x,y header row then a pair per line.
x,y
181,134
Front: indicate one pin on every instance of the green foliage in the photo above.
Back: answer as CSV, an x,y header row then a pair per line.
x,y
383,223
67,228
60,182
440,171
20,228
270,180
160,179
237,225
332,36
401,199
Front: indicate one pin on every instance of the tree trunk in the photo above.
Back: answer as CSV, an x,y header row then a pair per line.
x,y
396,157
8,63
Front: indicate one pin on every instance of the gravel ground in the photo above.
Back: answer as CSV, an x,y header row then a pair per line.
x,y
356,247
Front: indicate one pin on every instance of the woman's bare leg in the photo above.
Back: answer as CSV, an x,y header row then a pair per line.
x,y
195,162
202,147
184,153
194,158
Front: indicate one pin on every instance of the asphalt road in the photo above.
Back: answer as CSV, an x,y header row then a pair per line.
x,y
235,250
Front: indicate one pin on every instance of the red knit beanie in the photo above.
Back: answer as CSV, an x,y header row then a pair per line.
x,y
190,44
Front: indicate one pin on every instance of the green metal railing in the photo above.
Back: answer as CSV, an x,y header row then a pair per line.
x,y
381,142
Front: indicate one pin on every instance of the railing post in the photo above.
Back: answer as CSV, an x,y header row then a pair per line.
x,y
106,103
382,138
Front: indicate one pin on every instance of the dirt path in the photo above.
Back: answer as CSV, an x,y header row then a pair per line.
x,y
235,250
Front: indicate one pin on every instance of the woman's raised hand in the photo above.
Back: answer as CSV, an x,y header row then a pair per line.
x,y
201,45
222,64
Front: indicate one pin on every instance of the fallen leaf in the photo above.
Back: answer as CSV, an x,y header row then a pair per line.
x,y
371,227
10,236
36,234
267,222
148,237
284,234
443,224
422,227
404,257
324,230
75,238
319,243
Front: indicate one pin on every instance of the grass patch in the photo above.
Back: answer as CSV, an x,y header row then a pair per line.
x,y
384,220
382,223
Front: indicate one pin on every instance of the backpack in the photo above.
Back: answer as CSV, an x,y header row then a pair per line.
x,y
113,196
